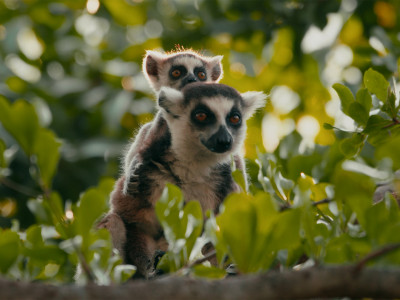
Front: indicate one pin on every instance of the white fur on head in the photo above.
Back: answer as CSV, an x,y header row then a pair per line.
x,y
169,100
252,102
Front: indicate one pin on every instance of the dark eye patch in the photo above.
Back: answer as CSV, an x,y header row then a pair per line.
x,y
202,116
234,118
177,72
200,73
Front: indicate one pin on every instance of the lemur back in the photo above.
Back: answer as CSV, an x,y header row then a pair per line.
x,y
202,126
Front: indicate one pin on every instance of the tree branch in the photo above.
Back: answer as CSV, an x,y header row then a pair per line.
x,y
317,282
375,254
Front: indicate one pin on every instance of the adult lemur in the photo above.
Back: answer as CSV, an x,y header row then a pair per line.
x,y
134,229
205,124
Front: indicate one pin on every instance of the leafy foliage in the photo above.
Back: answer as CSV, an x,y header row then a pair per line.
x,y
72,92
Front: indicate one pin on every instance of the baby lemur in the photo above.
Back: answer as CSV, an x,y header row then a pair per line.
x,y
201,127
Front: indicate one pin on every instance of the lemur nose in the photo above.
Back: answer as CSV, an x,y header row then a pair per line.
x,y
223,144
220,142
191,78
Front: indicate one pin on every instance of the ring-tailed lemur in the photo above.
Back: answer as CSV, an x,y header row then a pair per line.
x,y
203,125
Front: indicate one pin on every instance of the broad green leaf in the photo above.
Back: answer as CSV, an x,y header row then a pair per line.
x,y
239,179
9,246
355,190
390,106
34,236
43,254
390,149
358,113
239,235
375,124
167,211
91,207
350,147
47,153
364,98
21,121
193,222
286,232
345,95
382,220
376,84
302,164
208,272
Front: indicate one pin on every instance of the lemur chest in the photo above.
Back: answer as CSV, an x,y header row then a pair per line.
x,y
198,186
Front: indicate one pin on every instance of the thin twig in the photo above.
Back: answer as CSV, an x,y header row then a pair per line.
x,y
18,187
323,201
375,254
203,259
286,205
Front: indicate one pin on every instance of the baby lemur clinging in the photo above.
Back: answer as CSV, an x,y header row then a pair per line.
x,y
201,127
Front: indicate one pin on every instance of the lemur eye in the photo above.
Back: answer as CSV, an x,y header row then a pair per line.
x,y
201,116
201,75
176,73
235,119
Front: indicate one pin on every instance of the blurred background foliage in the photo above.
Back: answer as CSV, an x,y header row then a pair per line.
x,y
78,62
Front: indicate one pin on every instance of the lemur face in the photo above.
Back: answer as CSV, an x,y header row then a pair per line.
x,y
181,68
208,119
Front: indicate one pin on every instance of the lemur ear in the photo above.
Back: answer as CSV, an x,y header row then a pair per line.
x,y
214,64
169,100
252,102
151,65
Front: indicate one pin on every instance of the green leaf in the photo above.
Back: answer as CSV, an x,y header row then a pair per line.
x,y
193,222
286,232
328,126
375,124
3,147
9,246
358,113
390,106
21,121
390,149
364,98
91,207
239,235
34,236
122,273
208,272
350,147
376,84
355,190
239,179
47,152
345,95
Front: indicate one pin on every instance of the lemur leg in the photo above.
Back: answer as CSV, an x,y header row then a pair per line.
x,y
138,252
114,224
